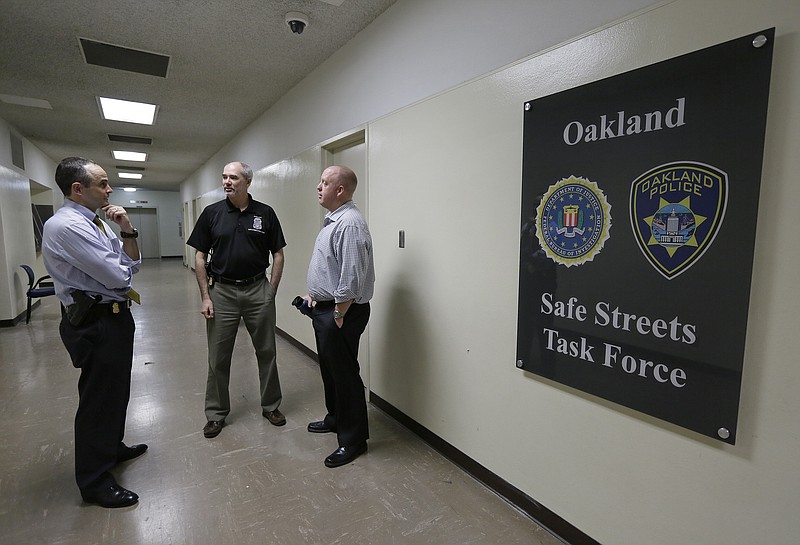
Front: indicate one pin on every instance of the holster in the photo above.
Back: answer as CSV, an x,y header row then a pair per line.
x,y
209,274
80,307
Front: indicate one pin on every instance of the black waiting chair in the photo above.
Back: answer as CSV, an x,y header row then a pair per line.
x,y
34,291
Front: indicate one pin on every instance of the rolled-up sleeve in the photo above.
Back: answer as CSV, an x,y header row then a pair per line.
x,y
353,253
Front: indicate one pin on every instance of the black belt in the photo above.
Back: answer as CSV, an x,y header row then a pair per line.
x,y
102,309
326,304
112,307
238,282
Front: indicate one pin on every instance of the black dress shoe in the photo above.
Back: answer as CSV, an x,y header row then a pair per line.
x,y
111,496
345,455
212,428
131,452
320,427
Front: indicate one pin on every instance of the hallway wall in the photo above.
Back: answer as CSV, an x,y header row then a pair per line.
x,y
447,170
16,226
443,348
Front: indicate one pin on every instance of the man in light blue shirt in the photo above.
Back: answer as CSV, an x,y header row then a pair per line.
x,y
92,272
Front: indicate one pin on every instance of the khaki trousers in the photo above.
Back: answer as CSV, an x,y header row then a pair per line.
x,y
255,304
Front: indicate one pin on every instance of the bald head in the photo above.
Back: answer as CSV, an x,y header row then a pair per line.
x,y
336,186
346,177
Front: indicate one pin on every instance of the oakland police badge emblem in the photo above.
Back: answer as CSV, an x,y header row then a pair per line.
x,y
676,211
573,221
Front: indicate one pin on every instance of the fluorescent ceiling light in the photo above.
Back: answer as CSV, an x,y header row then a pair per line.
x,y
130,176
25,101
129,155
124,110
129,190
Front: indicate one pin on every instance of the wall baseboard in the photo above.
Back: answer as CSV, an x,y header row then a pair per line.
x,y
297,344
556,525
21,318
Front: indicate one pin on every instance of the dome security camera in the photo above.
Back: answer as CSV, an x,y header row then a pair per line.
x,y
297,21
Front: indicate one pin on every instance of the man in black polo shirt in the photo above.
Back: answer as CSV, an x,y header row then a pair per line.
x,y
241,233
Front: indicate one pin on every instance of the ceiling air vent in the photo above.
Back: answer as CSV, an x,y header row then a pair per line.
x,y
130,139
124,58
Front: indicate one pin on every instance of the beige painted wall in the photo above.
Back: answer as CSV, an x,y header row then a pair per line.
x,y
16,227
290,188
17,244
448,172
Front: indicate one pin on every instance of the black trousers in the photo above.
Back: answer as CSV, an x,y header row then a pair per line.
x,y
337,350
103,350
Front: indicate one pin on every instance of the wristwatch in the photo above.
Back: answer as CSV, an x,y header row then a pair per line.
x,y
337,315
135,234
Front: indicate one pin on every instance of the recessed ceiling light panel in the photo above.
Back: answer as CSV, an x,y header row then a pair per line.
x,y
129,155
130,175
127,111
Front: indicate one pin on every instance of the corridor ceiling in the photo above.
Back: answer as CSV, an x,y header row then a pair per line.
x,y
225,63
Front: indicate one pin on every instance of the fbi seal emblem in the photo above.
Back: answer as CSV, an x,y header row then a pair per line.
x,y
573,221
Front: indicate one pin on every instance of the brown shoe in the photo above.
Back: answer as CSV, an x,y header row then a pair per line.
x,y
275,417
212,428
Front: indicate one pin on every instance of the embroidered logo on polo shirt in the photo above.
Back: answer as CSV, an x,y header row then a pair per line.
x,y
257,224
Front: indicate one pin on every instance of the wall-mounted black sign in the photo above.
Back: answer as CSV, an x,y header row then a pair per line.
x,y
639,203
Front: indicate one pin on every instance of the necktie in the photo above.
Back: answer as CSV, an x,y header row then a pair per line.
x,y
132,294
99,223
